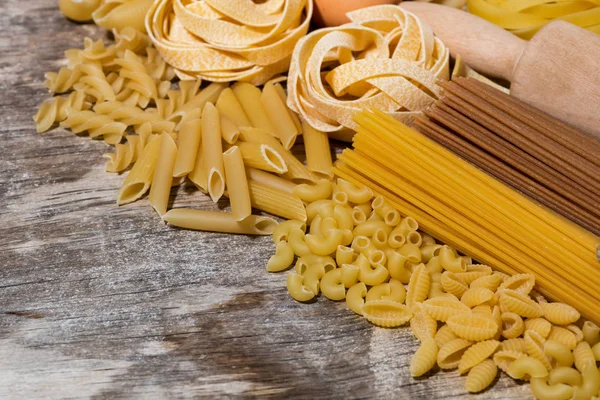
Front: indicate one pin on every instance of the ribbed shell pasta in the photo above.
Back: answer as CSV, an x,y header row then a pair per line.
x,y
476,296
474,272
481,376
560,313
418,286
424,358
540,325
472,327
422,325
490,282
450,353
512,325
516,344
444,335
476,354
442,308
522,283
564,336
504,358
453,284
386,313
520,304
584,357
534,344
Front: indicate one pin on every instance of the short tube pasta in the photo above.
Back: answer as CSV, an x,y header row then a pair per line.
x,y
262,156
283,229
318,191
591,333
279,116
139,178
212,151
318,153
331,285
219,222
230,107
163,174
270,180
237,184
327,245
188,142
355,194
249,97
296,288
276,201
450,261
355,297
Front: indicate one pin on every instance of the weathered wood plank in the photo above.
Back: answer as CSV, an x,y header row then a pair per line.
x,y
107,302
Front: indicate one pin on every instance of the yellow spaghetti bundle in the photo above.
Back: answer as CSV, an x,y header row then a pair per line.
x,y
473,212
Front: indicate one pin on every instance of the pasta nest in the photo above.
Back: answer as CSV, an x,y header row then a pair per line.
x,y
228,40
385,58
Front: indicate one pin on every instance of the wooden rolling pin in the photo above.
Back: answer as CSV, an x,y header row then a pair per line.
x,y
557,71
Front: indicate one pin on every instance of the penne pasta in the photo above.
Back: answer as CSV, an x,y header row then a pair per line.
x,y
318,153
199,176
188,142
229,130
212,151
276,202
270,180
283,96
249,97
262,156
237,185
163,174
215,221
229,106
279,116
139,178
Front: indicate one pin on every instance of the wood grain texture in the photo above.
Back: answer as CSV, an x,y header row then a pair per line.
x,y
100,301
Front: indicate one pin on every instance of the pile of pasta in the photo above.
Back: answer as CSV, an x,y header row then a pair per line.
x,y
525,18
228,141
386,58
223,41
359,248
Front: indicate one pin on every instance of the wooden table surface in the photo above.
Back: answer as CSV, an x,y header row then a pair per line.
x,y
107,302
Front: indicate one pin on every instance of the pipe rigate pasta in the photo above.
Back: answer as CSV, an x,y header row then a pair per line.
x,y
386,313
520,304
526,368
443,308
472,327
424,358
567,375
522,283
512,325
418,286
451,352
477,354
476,296
481,376
563,336
540,325
558,353
560,313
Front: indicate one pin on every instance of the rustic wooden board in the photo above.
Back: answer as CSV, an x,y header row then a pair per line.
x,y
107,302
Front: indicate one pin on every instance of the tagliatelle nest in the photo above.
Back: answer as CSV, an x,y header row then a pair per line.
x,y
230,40
385,58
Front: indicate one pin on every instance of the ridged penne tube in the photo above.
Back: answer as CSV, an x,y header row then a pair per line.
x,y
188,142
356,195
591,333
229,106
276,202
139,178
344,255
296,288
476,354
270,180
163,174
229,130
297,172
451,261
424,358
199,175
526,368
318,153
543,391
249,97
219,222
296,240
560,355
481,376
212,151
313,192
282,259
262,156
327,245
567,375
355,297
331,285
283,229
237,184
279,116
